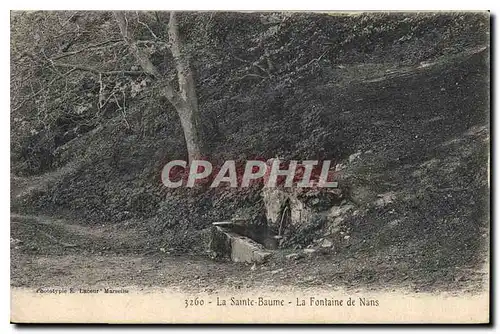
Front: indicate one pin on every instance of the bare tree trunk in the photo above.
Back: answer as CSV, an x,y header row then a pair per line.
x,y
185,100
189,113
192,132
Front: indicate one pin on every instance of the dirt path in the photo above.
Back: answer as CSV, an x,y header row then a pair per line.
x,y
42,261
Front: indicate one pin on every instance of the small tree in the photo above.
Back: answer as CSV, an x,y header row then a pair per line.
x,y
184,99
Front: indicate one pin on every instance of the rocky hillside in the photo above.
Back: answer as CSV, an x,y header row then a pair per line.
x,y
400,99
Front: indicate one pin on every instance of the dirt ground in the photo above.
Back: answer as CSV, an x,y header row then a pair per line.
x,y
100,257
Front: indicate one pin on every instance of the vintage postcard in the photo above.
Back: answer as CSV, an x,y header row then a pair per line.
x,y
250,167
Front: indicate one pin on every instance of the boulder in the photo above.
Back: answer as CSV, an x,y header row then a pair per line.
x,y
326,243
309,251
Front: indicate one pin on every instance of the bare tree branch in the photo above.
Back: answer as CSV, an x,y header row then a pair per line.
x,y
97,71
145,24
89,48
140,55
185,101
32,96
144,60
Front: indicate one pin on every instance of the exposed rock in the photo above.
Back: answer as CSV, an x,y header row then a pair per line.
x,y
394,223
219,243
309,251
362,195
14,241
339,210
261,256
275,199
293,213
354,156
326,243
320,200
384,199
294,256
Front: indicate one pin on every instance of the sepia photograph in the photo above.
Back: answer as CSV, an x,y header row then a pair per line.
x,y
255,167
